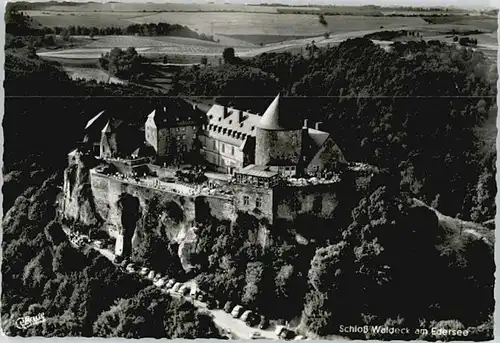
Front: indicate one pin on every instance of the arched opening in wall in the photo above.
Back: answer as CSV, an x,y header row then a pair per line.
x,y
317,204
130,213
174,211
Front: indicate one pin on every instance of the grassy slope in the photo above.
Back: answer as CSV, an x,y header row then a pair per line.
x,y
457,229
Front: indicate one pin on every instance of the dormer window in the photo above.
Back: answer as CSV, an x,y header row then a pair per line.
x,y
224,131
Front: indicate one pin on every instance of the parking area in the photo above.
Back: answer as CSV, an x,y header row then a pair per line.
x,y
234,328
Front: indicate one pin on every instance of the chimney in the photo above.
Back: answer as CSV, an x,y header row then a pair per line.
x,y
319,125
240,116
305,124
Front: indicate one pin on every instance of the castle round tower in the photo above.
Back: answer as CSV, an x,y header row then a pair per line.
x,y
278,139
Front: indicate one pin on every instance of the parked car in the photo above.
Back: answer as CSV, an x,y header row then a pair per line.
x,y
176,287
264,323
99,244
245,315
255,335
228,306
157,277
125,262
144,271
151,275
299,338
211,303
130,268
184,290
237,311
252,320
159,283
170,283
284,333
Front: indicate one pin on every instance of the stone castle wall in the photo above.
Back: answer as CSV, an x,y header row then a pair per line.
x,y
318,200
276,146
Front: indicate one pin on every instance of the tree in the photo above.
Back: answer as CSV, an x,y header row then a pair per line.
x,y
154,314
204,60
65,34
228,55
322,20
253,280
125,64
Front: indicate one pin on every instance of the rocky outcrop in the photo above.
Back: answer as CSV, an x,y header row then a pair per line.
x,y
187,240
77,201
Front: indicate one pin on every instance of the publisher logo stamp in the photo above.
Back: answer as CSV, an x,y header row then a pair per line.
x,y
28,321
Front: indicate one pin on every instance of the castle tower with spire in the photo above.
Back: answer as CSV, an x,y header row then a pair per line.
x,y
278,139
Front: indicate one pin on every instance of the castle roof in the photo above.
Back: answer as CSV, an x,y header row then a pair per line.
x,y
111,125
274,119
259,171
93,121
175,113
230,125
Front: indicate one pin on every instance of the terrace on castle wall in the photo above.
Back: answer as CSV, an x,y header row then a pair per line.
x,y
166,184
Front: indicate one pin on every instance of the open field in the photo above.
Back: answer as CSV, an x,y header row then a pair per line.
x,y
90,19
269,24
91,74
250,30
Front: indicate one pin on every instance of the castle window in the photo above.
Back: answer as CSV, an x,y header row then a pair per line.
x,y
258,202
215,146
253,128
223,148
246,200
230,122
232,150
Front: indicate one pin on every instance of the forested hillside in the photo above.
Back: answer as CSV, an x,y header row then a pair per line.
x,y
80,294
411,110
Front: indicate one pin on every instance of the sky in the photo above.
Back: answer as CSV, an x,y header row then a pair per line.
x,y
468,4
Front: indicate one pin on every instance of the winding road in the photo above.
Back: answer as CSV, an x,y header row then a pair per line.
x,y
237,328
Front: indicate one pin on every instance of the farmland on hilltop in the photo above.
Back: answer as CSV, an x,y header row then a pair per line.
x,y
249,29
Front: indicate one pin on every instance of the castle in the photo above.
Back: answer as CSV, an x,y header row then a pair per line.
x,y
230,141
267,165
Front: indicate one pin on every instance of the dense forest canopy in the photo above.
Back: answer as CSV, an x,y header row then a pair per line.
x,y
411,111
